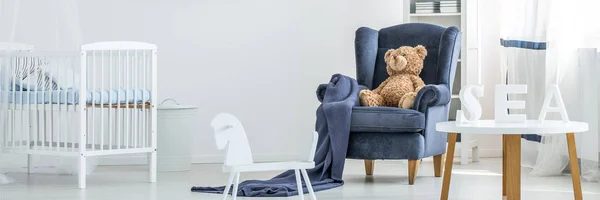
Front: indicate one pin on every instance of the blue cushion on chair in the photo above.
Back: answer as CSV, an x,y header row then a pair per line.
x,y
375,146
386,119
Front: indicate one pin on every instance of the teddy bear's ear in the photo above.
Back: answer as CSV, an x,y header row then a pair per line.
x,y
388,54
421,51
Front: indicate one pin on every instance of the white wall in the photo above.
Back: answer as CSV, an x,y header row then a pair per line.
x,y
260,60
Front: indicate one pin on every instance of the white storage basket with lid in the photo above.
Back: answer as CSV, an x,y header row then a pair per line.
x,y
175,126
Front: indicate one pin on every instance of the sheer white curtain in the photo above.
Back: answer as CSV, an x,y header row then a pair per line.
x,y
555,42
49,26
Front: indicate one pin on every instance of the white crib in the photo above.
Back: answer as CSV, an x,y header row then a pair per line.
x,y
99,101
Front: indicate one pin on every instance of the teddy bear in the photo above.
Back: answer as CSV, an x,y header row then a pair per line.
x,y
401,87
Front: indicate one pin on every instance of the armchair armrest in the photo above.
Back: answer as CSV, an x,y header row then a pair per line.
x,y
323,87
431,95
321,92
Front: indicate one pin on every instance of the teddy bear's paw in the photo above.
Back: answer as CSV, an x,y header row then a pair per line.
x,y
369,98
407,100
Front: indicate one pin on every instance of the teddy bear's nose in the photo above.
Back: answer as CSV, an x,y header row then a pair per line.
x,y
400,58
399,64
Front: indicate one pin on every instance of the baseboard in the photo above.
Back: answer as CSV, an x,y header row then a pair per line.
x,y
583,163
268,157
135,159
140,159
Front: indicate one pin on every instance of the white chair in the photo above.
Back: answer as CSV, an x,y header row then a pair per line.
x,y
230,134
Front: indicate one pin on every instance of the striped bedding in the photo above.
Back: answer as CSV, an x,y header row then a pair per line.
x,y
29,74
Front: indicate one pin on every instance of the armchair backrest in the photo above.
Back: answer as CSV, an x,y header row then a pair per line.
x,y
442,44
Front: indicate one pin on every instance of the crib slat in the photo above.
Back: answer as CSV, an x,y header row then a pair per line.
x,y
74,110
93,90
31,130
5,95
118,113
42,117
133,106
43,124
32,121
134,102
53,133
154,117
66,105
132,110
139,101
101,101
51,105
141,111
12,105
110,97
143,89
60,106
12,127
22,122
37,117
144,86
7,136
148,87
127,96
29,112
2,97
134,87
81,108
143,101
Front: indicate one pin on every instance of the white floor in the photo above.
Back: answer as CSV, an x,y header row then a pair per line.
x,y
475,181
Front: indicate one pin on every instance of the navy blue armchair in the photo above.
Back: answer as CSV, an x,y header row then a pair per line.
x,y
395,133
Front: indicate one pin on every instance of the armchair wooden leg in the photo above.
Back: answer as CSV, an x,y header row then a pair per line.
x,y
413,167
438,164
369,167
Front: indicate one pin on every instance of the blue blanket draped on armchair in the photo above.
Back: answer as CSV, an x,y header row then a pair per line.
x,y
333,125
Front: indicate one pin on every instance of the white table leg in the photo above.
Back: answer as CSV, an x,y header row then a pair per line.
x,y
475,156
465,145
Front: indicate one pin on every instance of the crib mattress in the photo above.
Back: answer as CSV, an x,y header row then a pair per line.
x,y
71,96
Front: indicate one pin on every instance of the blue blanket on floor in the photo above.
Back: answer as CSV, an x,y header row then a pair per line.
x,y
333,125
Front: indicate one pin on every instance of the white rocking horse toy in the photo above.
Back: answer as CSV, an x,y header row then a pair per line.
x,y
230,134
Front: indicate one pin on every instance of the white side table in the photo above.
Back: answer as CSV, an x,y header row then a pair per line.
x,y
511,149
